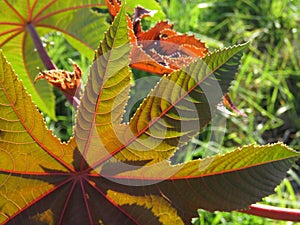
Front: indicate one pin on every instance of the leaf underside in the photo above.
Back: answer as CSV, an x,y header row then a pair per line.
x,y
113,173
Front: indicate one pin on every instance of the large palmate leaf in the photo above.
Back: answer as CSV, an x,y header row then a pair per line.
x,y
64,16
100,176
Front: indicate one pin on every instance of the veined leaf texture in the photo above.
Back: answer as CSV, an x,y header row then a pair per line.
x,y
119,173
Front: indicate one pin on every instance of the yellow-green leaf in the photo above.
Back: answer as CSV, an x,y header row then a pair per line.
x,y
106,93
180,106
26,147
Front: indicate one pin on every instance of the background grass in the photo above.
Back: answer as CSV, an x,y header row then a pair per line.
x,y
266,87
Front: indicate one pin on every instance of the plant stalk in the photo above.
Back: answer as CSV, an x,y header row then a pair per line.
x,y
46,59
40,48
273,212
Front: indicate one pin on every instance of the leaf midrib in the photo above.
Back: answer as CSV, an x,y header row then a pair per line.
x,y
99,99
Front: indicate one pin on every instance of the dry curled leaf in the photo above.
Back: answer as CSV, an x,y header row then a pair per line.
x,y
67,82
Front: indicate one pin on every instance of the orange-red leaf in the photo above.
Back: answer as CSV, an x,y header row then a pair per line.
x,y
161,49
165,46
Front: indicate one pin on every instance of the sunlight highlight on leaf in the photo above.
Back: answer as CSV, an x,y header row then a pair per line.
x,y
62,15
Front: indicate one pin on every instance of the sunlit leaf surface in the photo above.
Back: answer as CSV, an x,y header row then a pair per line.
x,y
64,16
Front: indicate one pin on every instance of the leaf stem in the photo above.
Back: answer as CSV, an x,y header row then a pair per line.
x,y
46,59
277,213
40,48
73,100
